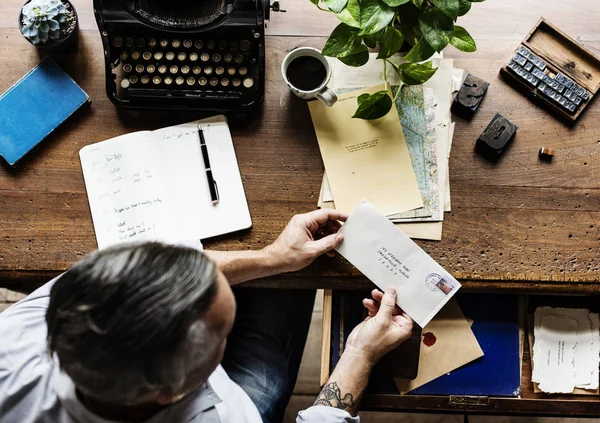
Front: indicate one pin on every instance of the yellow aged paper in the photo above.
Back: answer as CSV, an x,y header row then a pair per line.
x,y
365,158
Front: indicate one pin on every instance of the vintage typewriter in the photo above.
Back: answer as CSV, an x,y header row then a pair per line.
x,y
184,54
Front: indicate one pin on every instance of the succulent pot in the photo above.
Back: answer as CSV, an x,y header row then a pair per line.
x,y
68,35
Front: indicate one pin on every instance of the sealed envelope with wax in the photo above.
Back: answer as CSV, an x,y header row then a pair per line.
x,y
388,257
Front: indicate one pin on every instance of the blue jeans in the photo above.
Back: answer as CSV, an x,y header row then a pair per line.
x,y
265,347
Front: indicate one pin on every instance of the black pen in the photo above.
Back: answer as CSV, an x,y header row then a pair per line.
x,y
212,184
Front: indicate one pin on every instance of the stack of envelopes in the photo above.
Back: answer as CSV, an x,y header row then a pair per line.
x,y
399,162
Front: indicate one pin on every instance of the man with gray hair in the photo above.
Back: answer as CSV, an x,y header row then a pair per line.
x,y
150,333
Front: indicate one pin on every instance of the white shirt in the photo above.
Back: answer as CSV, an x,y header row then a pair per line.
x,y
34,390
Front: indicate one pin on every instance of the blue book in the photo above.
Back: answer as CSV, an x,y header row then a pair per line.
x,y
34,107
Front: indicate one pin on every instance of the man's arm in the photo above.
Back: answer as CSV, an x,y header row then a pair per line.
x,y
306,237
383,329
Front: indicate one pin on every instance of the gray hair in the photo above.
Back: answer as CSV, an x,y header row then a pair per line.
x,y
129,320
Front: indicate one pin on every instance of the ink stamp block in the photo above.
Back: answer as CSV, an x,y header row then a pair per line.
x,y
496,137
469,96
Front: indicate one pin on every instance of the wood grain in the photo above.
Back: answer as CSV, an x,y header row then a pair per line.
x,y
520,224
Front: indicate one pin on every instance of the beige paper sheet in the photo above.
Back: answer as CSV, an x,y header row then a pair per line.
x,y
365,159
455,346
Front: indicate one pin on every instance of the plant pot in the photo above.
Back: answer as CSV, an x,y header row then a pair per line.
x,y
66,41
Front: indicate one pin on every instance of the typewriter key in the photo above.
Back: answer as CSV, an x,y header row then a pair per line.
x,y
214,82
174,69
170,55
147,55
151,42
176,43
197,70
168,80
117,42
187,43
224,82
243,71
124,55
179,80
139,68
125,83
199,44
193,57
236,82
205,57
127,68
133,79
135,55
208,70
248,82
202,81
141,42
239,58
129,42
233,46
162,69
216,58
158,55
244,45
185,69
191,81
219,71
156,80
151,68
164,43
181,56
222,44
210,44
145,79
231,71
228,58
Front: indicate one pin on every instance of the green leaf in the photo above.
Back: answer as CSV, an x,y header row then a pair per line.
x,y
350,15
374,16
335,6
372,40
418,3
476,1
373,106
463,7
394,3
416,73
390,43
357,57
437,28
462,40
315,2
342,40
420,51
449,7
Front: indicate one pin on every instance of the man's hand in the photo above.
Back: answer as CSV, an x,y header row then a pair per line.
x,y
306,237
383,329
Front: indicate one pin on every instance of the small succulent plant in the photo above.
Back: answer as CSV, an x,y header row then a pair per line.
x,y
43,20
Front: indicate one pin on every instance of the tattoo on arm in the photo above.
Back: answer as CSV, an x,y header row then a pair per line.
x,y
331,396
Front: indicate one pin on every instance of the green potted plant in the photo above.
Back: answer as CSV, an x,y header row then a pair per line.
x,y
48,23
423,26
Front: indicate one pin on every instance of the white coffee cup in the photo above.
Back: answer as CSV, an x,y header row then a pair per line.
x,y
321,92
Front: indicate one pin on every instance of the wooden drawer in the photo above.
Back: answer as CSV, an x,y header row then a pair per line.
x,y
528,403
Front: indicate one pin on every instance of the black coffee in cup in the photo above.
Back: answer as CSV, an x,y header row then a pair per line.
x,y
306,73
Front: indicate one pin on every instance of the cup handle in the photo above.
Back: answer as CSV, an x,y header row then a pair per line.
x,y
327,96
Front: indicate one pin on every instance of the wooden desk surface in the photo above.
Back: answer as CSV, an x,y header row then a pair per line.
x,y
522,224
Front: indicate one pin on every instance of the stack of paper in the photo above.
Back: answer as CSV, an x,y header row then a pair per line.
x,y
566,351
424,114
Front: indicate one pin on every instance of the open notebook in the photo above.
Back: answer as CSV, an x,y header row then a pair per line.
x,y
152,185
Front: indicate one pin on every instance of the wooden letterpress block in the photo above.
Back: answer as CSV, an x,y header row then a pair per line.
x,y
496,137
469,96
546,154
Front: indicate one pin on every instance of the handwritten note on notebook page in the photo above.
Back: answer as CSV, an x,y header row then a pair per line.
x,y
152,185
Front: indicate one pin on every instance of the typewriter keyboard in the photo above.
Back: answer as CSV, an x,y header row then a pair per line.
x,y
555,87
185,67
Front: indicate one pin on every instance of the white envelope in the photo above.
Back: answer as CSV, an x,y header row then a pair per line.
x,y
388,257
